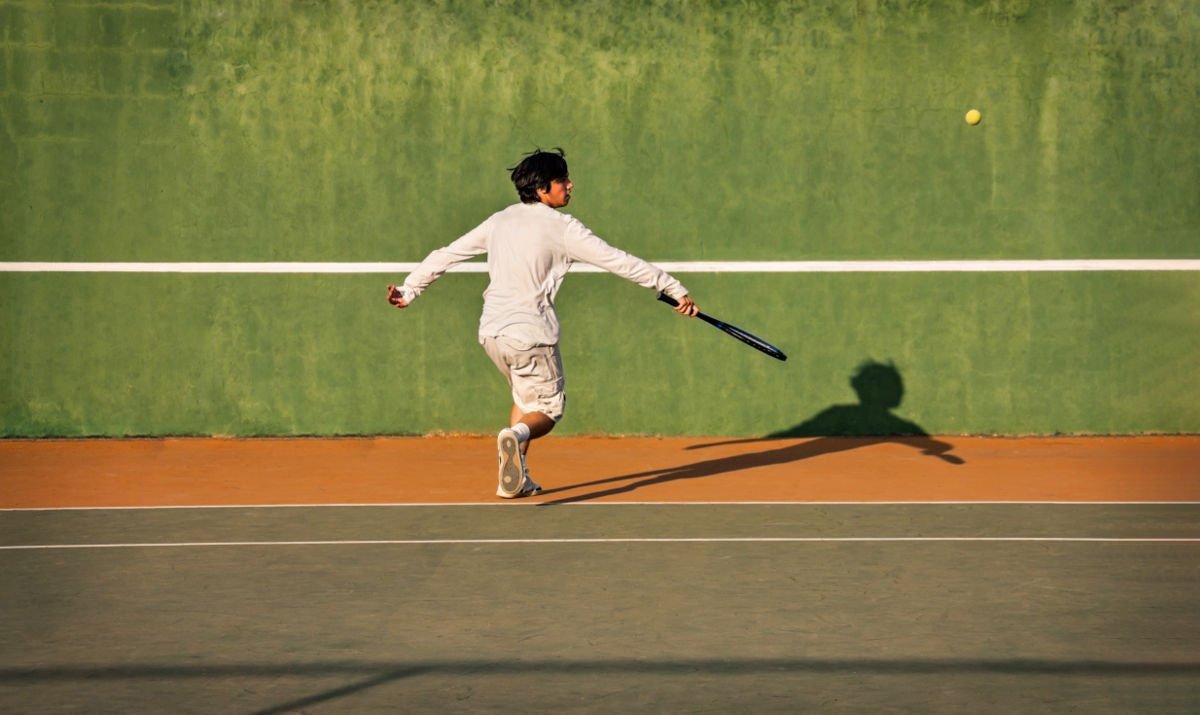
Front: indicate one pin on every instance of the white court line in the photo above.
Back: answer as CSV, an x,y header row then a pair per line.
x,y
530,503
632,540
952,266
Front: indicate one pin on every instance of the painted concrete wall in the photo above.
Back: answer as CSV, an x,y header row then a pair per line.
x,y
356,131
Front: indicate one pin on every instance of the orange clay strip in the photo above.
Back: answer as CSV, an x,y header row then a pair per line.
x,y
203,472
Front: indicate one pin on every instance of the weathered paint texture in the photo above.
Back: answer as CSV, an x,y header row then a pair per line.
x,y
376,131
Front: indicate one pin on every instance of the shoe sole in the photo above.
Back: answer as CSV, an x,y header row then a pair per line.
x,y
511,474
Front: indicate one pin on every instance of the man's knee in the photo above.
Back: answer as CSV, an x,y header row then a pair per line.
x,y
539,424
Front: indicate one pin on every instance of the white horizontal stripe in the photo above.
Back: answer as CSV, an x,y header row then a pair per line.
x,y
989,266
632,540
534,503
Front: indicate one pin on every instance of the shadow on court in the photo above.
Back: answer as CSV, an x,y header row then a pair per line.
x,y
837,428
366,676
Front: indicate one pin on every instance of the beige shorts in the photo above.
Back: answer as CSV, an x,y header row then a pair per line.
x,y
535,375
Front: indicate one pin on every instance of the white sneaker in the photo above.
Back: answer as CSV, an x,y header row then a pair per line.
x,y
530,487
512,465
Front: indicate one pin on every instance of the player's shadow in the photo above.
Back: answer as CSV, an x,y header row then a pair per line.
x,y
837,428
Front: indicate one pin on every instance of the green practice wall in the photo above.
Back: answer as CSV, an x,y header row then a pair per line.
x,y
377,131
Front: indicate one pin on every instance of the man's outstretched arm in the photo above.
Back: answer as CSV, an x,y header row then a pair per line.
x,y
436,263
585,246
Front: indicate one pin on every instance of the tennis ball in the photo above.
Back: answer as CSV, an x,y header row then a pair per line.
x,y
973,117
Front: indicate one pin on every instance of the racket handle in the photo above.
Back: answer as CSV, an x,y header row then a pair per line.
x,y
668,300
674,304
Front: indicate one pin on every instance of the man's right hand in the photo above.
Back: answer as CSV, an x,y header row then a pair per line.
x,y
396,297
686,307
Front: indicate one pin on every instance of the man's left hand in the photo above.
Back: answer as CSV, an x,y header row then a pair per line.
x,y
396,298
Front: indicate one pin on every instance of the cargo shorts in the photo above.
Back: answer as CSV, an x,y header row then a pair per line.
x,y
535,374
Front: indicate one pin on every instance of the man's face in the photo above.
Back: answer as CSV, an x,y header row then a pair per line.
x,y
559,194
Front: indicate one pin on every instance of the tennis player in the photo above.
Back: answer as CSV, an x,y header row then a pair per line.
x,y
529,246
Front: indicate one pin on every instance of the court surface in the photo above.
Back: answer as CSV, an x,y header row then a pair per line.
x,y
654,575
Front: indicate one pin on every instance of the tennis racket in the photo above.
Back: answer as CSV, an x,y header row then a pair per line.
x,y
752,340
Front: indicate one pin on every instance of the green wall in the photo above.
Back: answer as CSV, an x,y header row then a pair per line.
x,y
376,131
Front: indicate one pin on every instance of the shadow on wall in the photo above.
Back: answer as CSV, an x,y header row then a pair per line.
x,y
880,390
837,428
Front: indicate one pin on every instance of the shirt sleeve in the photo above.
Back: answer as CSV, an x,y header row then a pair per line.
x,y
467,246
585,246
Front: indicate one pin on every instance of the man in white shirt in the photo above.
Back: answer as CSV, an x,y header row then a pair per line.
x,y
530,246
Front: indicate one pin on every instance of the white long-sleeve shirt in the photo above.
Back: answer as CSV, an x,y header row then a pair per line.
x,y
529,249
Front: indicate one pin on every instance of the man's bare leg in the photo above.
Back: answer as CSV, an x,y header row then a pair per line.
x,y
539,425
513,444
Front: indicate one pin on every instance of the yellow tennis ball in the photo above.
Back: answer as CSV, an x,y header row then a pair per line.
x,y
973,117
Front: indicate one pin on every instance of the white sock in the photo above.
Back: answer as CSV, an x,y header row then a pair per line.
x,y
522,431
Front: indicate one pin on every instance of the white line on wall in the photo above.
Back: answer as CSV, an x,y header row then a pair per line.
x,y
982,266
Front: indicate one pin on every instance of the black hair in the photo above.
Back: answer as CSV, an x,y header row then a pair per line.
x,y
536,171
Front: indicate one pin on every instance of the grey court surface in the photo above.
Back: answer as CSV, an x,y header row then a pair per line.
x,y
962,608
